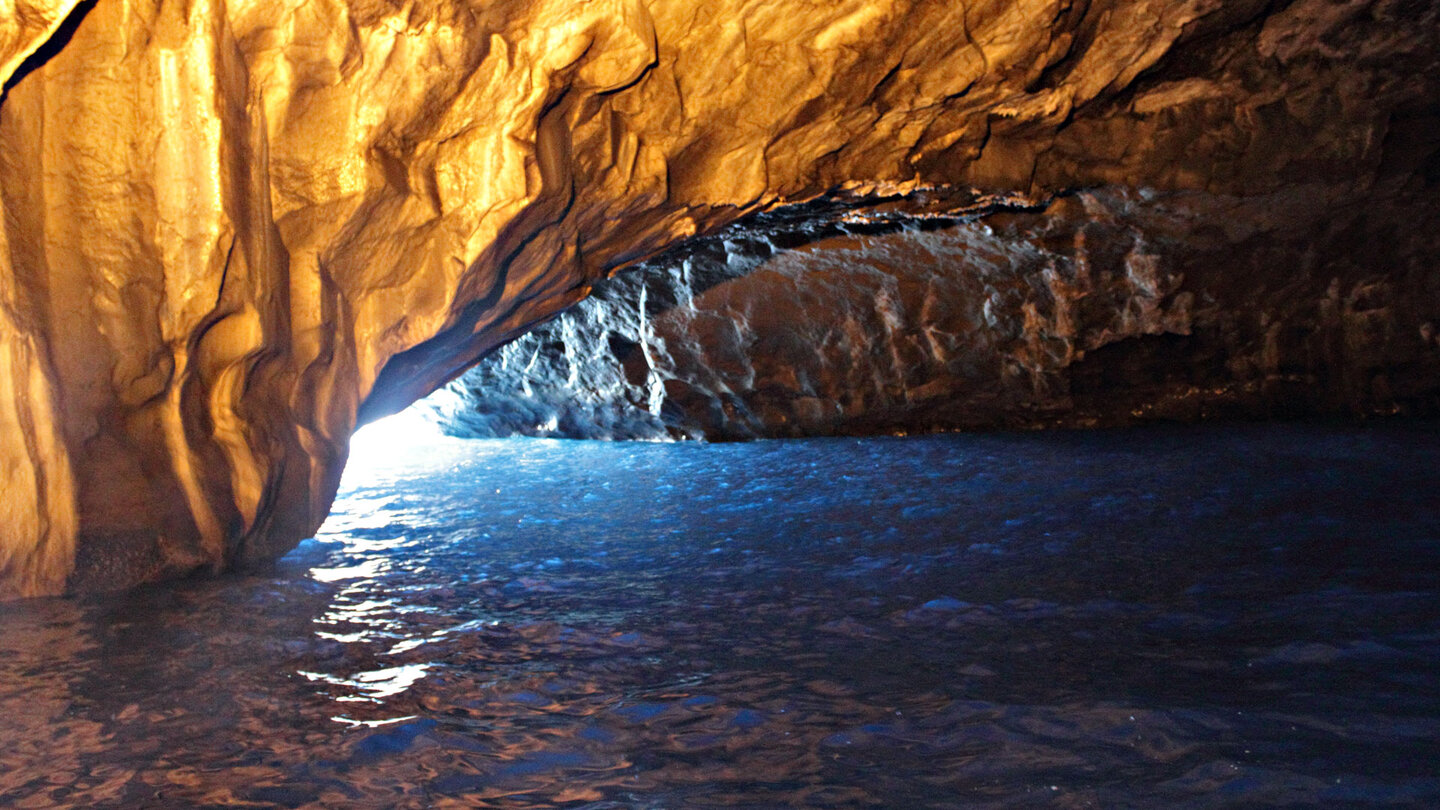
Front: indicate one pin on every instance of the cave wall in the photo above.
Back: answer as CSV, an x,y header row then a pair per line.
x,y
234,228
1103,307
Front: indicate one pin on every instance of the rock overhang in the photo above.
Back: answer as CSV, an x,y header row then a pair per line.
x,y
233,227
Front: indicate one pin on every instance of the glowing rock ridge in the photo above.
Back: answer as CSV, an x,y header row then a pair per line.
x,y
232,228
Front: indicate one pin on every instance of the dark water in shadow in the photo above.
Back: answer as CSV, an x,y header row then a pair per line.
x,y
1201,617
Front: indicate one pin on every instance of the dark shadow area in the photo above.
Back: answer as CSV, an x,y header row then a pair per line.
x,y
49,48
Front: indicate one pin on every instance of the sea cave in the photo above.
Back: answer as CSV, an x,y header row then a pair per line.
x,y
720,403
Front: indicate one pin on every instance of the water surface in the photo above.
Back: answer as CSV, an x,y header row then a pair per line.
x,y
1198,617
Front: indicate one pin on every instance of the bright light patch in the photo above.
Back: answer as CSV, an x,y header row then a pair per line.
x,y
390,446
372,723
385,437
402,447
374,685
365,570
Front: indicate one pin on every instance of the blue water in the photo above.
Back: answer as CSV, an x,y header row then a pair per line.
x,y
1224,616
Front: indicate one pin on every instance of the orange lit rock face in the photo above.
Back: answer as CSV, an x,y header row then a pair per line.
x,y
230,227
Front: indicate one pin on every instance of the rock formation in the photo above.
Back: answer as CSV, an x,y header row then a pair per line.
x,y
1103,307
233,228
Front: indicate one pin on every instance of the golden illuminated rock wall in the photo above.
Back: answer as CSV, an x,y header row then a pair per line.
x,y
232,226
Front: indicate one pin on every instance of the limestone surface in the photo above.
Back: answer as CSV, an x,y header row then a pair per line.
x,y
235,228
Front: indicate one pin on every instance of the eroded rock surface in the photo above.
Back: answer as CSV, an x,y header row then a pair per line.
x,y
234,227
1102,307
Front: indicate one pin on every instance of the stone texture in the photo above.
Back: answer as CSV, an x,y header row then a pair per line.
x,y
234,227
1104,307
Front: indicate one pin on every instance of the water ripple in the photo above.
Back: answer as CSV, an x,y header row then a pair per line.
x,y
1204,617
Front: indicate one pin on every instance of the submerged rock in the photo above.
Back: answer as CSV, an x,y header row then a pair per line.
x,y
234,229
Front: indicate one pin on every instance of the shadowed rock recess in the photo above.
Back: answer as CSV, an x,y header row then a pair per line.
x,y
1103,307
233,229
